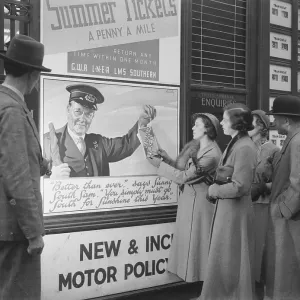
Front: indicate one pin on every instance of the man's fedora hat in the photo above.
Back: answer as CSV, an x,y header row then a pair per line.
x,y
25,51
286,105
86,95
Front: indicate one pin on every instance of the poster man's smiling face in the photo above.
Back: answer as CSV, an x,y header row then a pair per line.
x,y
79,118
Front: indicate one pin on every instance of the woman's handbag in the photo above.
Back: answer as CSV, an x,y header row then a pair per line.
x,y
223,175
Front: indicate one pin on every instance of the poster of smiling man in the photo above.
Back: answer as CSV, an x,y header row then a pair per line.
x,y
92,135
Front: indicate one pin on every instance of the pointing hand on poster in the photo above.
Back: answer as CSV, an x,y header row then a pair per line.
x,y
147,115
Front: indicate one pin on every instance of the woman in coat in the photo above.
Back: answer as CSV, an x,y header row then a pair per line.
x,y
229,268
197,161
267,153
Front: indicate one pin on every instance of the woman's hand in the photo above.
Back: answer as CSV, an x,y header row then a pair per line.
x,y
210,197
161,152
154,161
165,156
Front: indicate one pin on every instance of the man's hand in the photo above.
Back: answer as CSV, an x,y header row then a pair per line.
x,y
36,246
62,171
148,114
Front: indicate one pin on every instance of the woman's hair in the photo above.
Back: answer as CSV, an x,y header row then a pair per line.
x,y
264,131
210,129
240,117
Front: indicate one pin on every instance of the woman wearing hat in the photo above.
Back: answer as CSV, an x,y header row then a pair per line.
x,y
260,191
194,166
231,249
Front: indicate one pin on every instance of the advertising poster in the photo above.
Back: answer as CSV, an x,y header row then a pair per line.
x,y
274,137
280,78
90,264
280,45
112,172
123,39
281,13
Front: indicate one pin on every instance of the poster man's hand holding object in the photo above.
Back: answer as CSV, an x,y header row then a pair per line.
x,y
148,114
61,171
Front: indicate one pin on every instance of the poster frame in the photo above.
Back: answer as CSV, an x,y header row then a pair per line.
x,y
93,220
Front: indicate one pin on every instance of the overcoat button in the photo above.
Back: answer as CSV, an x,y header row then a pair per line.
x,y
12,202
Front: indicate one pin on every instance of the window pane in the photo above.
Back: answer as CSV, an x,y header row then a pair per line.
x,y
219,42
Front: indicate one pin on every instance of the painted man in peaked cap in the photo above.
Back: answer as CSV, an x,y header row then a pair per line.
x,y
283,238
85,154
21,165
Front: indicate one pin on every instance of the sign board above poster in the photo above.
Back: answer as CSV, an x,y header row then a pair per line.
x,y
281,13
134,60
127,39
280,45
77,24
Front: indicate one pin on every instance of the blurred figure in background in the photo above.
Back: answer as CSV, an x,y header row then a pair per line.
x,y
260,192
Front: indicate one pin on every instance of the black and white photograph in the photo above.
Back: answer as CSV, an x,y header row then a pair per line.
x,y
149,150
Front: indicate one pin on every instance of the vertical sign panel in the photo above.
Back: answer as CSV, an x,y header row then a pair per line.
x,y
281,13
280,78
280,45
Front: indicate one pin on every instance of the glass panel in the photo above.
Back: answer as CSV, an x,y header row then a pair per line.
x,y
219,42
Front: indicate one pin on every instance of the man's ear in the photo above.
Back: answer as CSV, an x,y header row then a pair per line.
x,y
287,121
68,107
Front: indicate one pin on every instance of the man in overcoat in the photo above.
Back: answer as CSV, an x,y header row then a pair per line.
x,y
283,244
21,165
83,154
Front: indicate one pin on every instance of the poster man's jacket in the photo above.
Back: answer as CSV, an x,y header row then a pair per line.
x,y
20,166
100,151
